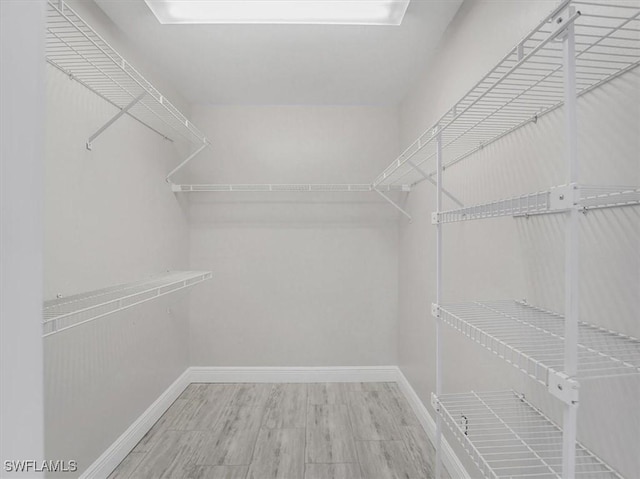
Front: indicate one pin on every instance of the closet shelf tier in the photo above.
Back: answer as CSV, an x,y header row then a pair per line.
x,y
507,437
532,340
76,49
65,313
526,84
549,201
285,187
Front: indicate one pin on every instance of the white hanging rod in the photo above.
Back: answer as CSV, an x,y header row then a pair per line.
x,y
526,84
299,188
67,312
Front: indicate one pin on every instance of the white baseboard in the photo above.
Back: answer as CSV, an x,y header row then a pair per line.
x,y
449,458
293,374
109,460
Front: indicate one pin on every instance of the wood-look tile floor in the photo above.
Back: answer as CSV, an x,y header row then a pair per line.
x,y
284,431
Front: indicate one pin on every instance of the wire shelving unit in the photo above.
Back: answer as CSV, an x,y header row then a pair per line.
x,y
64,313
578,47
74,48
507,437
526,84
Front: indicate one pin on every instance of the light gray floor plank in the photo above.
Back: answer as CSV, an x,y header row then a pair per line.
x,y
332,471
328,393
185,416
420,449
218,392
195,391
251,395
279,454
396,405
327,415
151,437
386,460
217,472
127,466
286,407
370,421
330,445
170,457
359,387
233,440
203,413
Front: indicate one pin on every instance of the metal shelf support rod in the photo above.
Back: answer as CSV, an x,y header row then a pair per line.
x,y
438,444
187,160
113,120
394,204
571,251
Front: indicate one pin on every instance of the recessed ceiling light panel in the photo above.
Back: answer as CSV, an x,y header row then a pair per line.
x,y
345,12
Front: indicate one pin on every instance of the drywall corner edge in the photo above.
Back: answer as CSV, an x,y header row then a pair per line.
x,y
449,458
121,447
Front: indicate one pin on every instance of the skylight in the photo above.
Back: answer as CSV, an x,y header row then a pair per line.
x,y
338,12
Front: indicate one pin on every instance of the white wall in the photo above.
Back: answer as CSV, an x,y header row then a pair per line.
x,y
21,97
110,217
519,258
299,279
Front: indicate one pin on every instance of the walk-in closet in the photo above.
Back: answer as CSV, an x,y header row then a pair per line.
x,y
320,239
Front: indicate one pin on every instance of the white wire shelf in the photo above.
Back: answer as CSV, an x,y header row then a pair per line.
x,y
328,188
532,339
526,84
589,197
65,313
507,437
76,49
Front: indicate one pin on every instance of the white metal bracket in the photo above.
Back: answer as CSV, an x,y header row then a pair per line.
x,y
564,197
435,218
562,20
187,160
432,181
435,310
564,388
435,403
113,119
393,203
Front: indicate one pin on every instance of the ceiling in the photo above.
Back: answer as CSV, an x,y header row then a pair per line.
x,y
288,64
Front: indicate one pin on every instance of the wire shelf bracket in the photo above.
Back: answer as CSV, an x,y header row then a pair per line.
x,y
434,183
394,204
113,120
184,163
